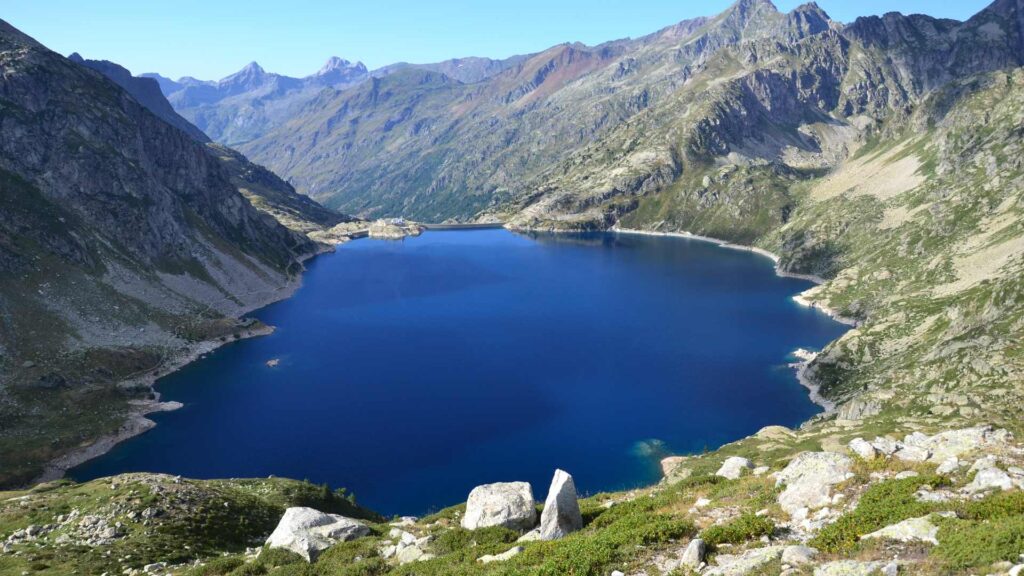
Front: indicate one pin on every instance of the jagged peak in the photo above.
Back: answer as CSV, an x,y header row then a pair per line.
x,y
336,63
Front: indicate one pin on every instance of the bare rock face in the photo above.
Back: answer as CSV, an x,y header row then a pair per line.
x,y
561,514
809,477
308,532
508,504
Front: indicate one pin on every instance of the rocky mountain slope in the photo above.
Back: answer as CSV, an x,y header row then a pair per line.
x,y
125,246
146,91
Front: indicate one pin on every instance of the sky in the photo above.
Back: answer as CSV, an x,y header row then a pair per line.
x,y
210,39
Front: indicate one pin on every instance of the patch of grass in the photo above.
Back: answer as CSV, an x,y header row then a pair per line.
x,y
746,527
882,504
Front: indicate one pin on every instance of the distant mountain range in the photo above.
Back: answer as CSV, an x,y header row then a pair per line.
x,y
252,101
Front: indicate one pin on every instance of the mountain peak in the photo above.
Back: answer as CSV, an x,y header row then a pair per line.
x,y
336,64
253,68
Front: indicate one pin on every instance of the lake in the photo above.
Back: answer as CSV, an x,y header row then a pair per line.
x,y
411,371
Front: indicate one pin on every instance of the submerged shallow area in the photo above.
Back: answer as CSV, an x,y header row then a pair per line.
x,y
411,371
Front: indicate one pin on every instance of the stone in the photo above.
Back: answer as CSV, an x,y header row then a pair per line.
x,y
863,449
761,470
531,536
956,443
848,568
308,532
487,559
991,478
798,555
913,454
808,479
561,515
694,554
907,474
911,530
508,504
885,446
745,563
948,466
733,467
890,569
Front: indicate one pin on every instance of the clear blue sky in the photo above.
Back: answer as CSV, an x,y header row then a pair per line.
x,y
210,39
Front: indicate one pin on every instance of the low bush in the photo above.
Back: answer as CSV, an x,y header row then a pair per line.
x,y
746,527
882,504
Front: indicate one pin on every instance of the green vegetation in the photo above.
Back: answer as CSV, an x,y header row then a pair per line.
x,y
746,527
881,505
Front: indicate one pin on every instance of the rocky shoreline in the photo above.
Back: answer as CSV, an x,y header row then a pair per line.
x,y
136,422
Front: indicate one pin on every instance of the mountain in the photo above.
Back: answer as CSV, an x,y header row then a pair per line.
x,y
146,90
437,150
264,189
466,70
125,247
249,102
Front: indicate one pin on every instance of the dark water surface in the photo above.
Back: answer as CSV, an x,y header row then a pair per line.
x,y
412,371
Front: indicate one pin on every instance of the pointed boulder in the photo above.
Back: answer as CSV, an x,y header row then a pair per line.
x,y
561,514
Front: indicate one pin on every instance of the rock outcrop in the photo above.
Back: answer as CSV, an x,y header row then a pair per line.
x,y
733,467
808,480
508,504
308,532
561,515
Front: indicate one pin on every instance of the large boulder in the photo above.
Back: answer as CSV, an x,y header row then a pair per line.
x,y
561,514
911,530
733,467
508,504
308,532
808,479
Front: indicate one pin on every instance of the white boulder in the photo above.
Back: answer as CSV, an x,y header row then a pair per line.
x,y
733,467
561,515
508,504
863,449
910,530
308,532
506,555
798,555
808,479
694,554
989,478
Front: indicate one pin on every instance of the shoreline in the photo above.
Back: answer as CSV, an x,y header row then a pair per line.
x,y
800,298
804,357
136,421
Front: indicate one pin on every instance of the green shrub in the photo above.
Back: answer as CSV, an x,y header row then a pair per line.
x,y
881,505
591,553
977,543
746,527
218,566
999,505
461,540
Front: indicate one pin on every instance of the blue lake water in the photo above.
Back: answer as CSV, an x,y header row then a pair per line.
x,y
412,371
